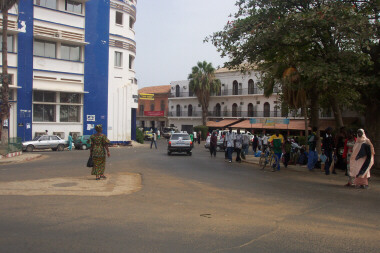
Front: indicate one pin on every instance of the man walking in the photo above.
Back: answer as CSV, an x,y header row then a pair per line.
x,y
230,143
154,140
313,156
238,145
245,145
328,147
213,144
255,143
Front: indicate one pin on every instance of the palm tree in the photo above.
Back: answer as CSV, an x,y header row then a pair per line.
x,y
203,83
5,5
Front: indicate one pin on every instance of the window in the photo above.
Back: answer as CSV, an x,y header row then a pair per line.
x,y
162,105
235,88
54,138
251,87
69,52
217,110
69,113
73,6
9,42
131,22
250,110
234,110
152,107
44,48
266,109
190,111
72,98
118,59
119,18
178,111
131,61
44,96
44,113
141,111
46,3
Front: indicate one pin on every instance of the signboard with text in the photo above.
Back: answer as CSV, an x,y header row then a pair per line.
x,y
154,113
145,96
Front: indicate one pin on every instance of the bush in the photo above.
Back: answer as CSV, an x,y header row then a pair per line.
x,y
139,136
203,129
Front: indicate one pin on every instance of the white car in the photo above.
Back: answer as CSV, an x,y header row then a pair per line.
x,y
43,142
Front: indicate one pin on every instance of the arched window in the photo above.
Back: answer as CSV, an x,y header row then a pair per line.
x,y
266,109
190,110
234,110
250,110
162,105
177,91
218,110
235,88
178,111
251,87
151,107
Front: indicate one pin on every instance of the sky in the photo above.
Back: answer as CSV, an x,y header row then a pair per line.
x,y
170,34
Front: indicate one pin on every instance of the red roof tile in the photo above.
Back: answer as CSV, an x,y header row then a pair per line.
x,y
155,89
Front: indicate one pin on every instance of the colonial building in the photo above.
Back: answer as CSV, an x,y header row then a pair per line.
x,y
153,114
72,67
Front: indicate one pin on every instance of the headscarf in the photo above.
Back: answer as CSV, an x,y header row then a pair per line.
x,y
99,128
355,151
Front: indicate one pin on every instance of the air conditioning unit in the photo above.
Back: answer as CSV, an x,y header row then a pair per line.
x,y
58,35
241,103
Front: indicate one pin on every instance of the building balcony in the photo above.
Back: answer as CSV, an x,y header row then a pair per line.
x,y
245,114
225,92
186,114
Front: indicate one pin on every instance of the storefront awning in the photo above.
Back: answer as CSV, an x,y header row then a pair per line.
x,y
223,123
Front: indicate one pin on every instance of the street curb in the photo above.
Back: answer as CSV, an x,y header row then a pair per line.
x,y
27,159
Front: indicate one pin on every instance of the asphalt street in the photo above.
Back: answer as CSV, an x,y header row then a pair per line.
x,y
181,204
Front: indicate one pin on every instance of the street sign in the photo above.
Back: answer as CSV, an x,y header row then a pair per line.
x,y
145,96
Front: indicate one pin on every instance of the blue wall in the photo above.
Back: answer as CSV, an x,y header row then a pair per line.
x,y
25,70
96,63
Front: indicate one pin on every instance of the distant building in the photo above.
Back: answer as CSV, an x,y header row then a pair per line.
x,y
154,113
72,67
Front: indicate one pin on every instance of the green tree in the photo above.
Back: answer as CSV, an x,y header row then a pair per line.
x,y
333,45
5,6
203,83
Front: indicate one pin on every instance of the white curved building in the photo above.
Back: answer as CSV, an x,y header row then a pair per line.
x,y
72,67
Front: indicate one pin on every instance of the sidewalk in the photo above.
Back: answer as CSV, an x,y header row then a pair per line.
x,y
21,158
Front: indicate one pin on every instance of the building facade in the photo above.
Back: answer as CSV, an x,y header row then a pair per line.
x,y
153,114
72,67
239,98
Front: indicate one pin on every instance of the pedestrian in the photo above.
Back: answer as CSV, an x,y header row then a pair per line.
x,y
265,142
277,140
213,144
99,146
287,150
46,132
191,137
238,145
70,142
313,155
328,147
260,142
199,137
154,140
195,136
362,160
158,134
339,149
255,143
348,149
230,143
245,146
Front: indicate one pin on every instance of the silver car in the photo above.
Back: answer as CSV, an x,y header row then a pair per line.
x,y
43,142
180,142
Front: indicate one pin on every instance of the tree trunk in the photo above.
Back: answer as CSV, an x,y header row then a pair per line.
x,y
5,88
204,115
337,113
372,123
314,117
306,126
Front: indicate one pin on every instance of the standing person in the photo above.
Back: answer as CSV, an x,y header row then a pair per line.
x,y
46,132
70,142
238,145
245,146
154,140
99,146
195,136
213,144
158,134
287,150
328,147
255,143
277,140
313,155
229,140
362,160
191,137
199,137
260,142
348,149
265,142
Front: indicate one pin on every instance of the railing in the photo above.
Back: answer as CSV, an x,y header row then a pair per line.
x,y
185,114
246,114
225,92
14,145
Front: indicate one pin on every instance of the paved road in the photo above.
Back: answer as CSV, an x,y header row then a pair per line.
x,y
185,204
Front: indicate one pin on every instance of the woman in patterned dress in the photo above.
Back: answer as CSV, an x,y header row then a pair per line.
x,y
99,146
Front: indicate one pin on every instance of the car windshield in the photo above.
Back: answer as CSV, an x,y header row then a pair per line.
x,y
183,136
36,138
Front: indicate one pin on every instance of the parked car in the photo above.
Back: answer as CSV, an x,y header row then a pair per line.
x,y
45,141
82,142
180,143
167,131
148,135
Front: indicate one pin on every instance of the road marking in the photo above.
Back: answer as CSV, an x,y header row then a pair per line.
x,y
115,184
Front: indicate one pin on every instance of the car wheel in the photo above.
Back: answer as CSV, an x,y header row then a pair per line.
x,y
54,149
60,148
189,153
29,148
169,153
84,147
